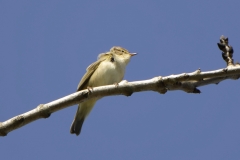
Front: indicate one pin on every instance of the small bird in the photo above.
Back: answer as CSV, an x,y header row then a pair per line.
x,y
108,69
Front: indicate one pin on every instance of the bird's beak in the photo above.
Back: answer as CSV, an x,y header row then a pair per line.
x,y
133,54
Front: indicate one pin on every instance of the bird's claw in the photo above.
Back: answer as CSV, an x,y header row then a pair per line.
x,y
90,89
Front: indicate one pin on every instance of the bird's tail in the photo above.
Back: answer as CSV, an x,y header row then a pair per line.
x,y
82,112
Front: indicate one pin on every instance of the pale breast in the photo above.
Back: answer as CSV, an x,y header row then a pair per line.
x,y
107,73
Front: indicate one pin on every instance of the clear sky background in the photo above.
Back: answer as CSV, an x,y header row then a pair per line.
x,y
46,46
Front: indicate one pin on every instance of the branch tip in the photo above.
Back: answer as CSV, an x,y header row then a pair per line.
x,y
227,50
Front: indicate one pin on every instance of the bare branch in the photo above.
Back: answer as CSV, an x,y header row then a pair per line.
x,y
187,82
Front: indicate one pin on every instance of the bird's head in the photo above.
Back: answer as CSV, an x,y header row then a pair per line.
x,y
122,54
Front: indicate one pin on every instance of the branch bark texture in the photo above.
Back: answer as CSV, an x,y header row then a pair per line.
x,y
187,82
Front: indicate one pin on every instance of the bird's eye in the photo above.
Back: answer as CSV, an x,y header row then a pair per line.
x,y
112,59
122,50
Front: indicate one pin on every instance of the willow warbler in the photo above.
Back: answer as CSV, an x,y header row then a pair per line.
x,y
108,69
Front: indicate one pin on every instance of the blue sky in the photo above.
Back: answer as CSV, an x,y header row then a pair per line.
x,y
46,47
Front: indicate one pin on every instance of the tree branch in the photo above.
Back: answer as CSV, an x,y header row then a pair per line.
x,y
187,82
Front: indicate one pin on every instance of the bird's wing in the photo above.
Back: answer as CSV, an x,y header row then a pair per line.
x,y
90,70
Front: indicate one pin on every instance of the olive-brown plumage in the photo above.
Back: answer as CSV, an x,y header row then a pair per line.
x,y
108,69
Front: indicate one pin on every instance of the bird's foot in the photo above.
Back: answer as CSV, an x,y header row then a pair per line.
x,y
90,89
116,84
